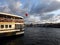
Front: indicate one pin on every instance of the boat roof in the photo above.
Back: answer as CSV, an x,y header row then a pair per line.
x,y
11,15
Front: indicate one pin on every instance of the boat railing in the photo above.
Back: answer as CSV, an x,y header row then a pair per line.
x,y
11,20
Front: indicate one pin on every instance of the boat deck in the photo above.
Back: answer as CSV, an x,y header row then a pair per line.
x,y
6,31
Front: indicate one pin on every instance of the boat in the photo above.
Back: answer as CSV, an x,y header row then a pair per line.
x,y
11,24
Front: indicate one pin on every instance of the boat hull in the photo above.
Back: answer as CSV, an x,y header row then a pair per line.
x,y
10,33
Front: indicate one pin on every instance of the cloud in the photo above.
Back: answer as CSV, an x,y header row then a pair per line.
x,y
12,6
33,6
45,6
4,8
33,19
40,11
54,16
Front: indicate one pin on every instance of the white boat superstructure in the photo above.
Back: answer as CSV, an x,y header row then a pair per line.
x,y
11,24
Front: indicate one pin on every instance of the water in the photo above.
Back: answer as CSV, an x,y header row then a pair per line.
x,y
34,36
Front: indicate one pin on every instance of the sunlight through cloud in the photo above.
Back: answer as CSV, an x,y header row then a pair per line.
x,y
58,0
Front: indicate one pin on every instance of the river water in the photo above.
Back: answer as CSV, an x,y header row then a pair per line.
x,y
34,36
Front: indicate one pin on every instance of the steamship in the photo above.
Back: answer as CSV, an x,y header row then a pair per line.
x,y
11,24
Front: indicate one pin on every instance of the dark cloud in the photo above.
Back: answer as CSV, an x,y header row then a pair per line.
x,y
47,16
35,8
45,7
13,7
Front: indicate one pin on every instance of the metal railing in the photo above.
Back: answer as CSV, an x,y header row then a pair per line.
x,y
11,20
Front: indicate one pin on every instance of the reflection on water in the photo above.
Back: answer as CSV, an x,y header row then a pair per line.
x,y
14,40
42,36
35,36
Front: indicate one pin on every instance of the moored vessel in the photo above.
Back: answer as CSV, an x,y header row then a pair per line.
x,y
11,24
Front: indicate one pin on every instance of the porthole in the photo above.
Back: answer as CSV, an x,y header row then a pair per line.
x,y
10,26
2,26
6,26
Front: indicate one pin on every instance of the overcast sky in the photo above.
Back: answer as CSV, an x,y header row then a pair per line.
x,y
40,11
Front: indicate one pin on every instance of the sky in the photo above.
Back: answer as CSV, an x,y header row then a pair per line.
x,y
39,11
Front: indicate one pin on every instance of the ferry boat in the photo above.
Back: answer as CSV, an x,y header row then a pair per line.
x,y
11,24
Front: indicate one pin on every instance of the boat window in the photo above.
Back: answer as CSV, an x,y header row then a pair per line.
x,y
18,18
17,26
2,26
10,26
6,26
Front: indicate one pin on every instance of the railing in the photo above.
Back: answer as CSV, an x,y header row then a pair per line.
x,y
11,20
